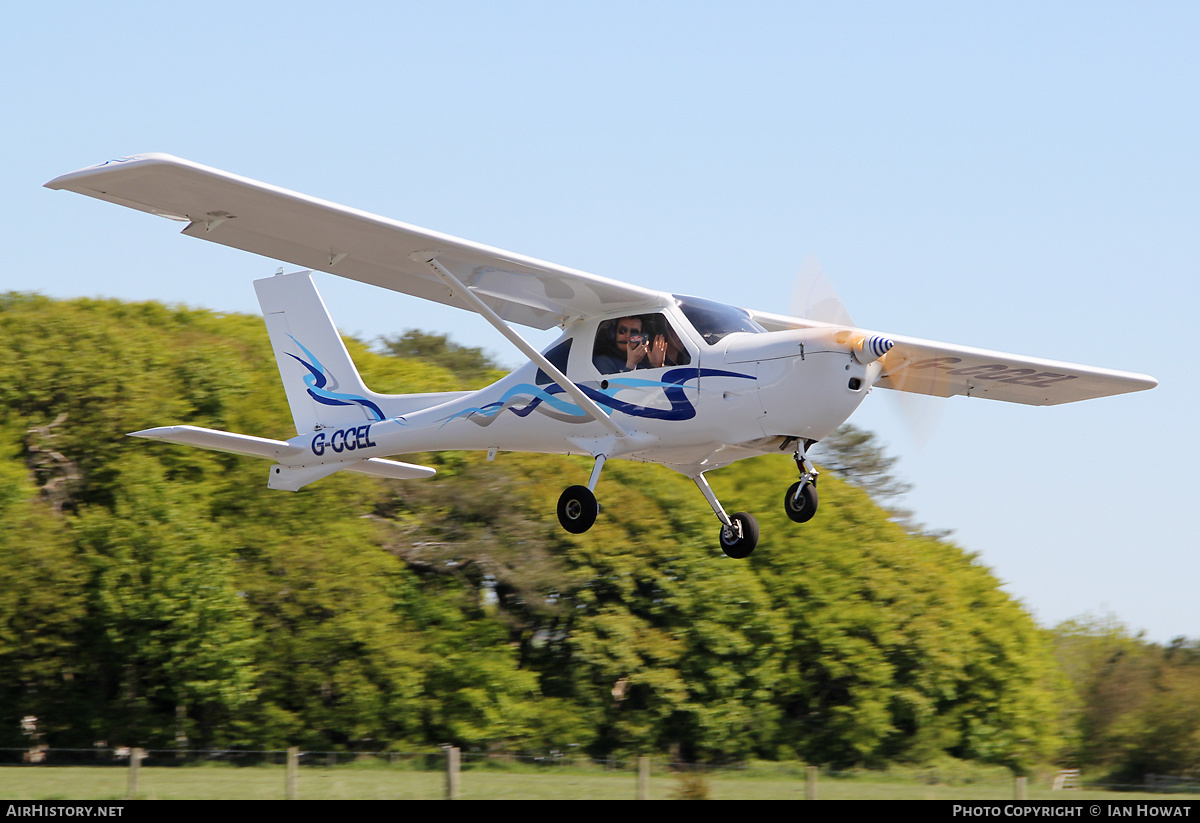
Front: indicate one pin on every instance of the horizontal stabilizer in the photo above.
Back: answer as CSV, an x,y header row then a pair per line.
x,y
391,468
283,476
221,441
294,478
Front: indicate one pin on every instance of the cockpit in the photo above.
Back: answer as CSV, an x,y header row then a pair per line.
x,y
638,341
652,340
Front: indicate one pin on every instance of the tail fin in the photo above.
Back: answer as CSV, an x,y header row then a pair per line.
x,y
323,386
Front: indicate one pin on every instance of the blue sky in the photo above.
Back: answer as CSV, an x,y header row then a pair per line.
x,y
1015,176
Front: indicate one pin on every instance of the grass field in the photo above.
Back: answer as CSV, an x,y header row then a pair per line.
x,y
560,783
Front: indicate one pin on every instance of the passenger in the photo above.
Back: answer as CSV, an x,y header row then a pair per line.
x,y
667,349
631,347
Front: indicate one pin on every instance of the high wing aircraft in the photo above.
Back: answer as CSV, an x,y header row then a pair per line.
x,y
637,374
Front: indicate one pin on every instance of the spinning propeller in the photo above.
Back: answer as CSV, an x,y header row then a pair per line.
x,y
815,298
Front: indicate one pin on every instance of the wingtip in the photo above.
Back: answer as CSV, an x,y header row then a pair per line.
x,y
158,433
68,180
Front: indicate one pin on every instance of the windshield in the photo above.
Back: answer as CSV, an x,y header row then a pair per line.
x,y
714,320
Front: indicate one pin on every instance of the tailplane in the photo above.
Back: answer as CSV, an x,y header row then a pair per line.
x,y
284,475
323,389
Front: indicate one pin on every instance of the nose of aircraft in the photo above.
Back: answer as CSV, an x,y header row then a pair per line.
x,y
871,348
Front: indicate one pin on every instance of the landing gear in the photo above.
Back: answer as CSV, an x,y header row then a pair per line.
x,y
577,509
740,537
739,534
800,502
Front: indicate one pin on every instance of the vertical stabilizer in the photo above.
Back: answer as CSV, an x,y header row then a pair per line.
x,y
323,386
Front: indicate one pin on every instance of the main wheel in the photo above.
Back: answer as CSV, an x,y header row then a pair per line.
x,y
577,509
740,539
801,508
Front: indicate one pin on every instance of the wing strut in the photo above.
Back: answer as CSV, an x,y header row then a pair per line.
x,y
586,403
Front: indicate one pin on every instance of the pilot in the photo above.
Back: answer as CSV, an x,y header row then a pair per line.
x,y
627,356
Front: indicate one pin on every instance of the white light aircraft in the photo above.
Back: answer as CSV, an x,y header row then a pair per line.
x,y
637,374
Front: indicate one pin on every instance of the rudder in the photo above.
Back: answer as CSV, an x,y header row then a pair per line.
x,y
323,386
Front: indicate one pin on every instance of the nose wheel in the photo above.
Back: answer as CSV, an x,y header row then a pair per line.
x,y
800,502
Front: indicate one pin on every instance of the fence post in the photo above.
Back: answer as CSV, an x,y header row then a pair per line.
x,y
135,762
1020,793
643,784
452,762
812,783
293,763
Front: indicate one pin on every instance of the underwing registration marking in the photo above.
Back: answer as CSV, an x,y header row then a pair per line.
x,y
996,372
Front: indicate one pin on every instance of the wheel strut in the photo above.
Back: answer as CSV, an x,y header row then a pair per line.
x,y
739,534
808,472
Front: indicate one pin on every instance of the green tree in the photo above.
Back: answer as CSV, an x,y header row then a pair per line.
x,y
173,643
857,457
1137,703
177,597
472,365
41,611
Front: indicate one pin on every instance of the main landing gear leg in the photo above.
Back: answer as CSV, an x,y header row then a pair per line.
x,y
739,534
800,501
577,507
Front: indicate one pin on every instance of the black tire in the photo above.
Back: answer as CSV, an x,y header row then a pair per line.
x,y
577,509
739,541
801,510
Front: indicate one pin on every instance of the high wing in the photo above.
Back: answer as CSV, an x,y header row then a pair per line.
x,y
946,369
285,225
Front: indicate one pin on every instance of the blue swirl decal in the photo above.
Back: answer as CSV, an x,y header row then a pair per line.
x,y
318,379
524,399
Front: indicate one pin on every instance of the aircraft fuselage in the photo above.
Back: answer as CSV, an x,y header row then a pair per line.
x,y
746,394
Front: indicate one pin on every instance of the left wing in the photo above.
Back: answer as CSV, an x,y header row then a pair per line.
x,y
946,369
316,234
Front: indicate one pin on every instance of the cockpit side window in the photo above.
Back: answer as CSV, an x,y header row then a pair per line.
x,y
713,320
638,341
558,358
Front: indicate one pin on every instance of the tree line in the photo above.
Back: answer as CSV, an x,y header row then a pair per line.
x,y
161,596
